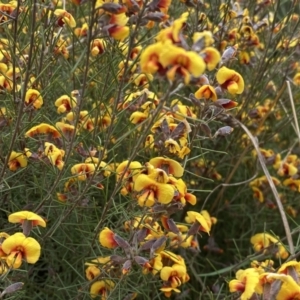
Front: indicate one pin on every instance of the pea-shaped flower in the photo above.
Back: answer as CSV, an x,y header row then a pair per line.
x,y
230,80
18,247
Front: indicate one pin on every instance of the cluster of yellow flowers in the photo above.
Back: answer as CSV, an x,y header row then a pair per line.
x,y
262,279
19,247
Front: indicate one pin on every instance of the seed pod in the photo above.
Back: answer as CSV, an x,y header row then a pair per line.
x,y
275,288
147,245
223,131
141,234
113,8
121,242
117,259
12,288
140,260
193,229
205,128
155,16
229,54
130,296
126,266
226,103
157,244
172,226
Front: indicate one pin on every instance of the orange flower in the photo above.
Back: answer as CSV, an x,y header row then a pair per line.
x,y
43,128
207,92
106,238
6,9
182,195
22,216
64,18
34,98
230,80
19,247
17,160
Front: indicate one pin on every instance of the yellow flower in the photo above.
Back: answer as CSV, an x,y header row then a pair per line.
x,y
293,184
34,98
169,165
97,46
289,288
66,129
83,170
149,60
154,265
230,80
296,79
43,128
168,291
106,238
54,155
118,32
181,62
246,283
290,266
262,241
101,288
152,191
63,17
211,57
207,92
19,247
172,33
92,272
17,160
65,104
193,217
175,275
21,216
